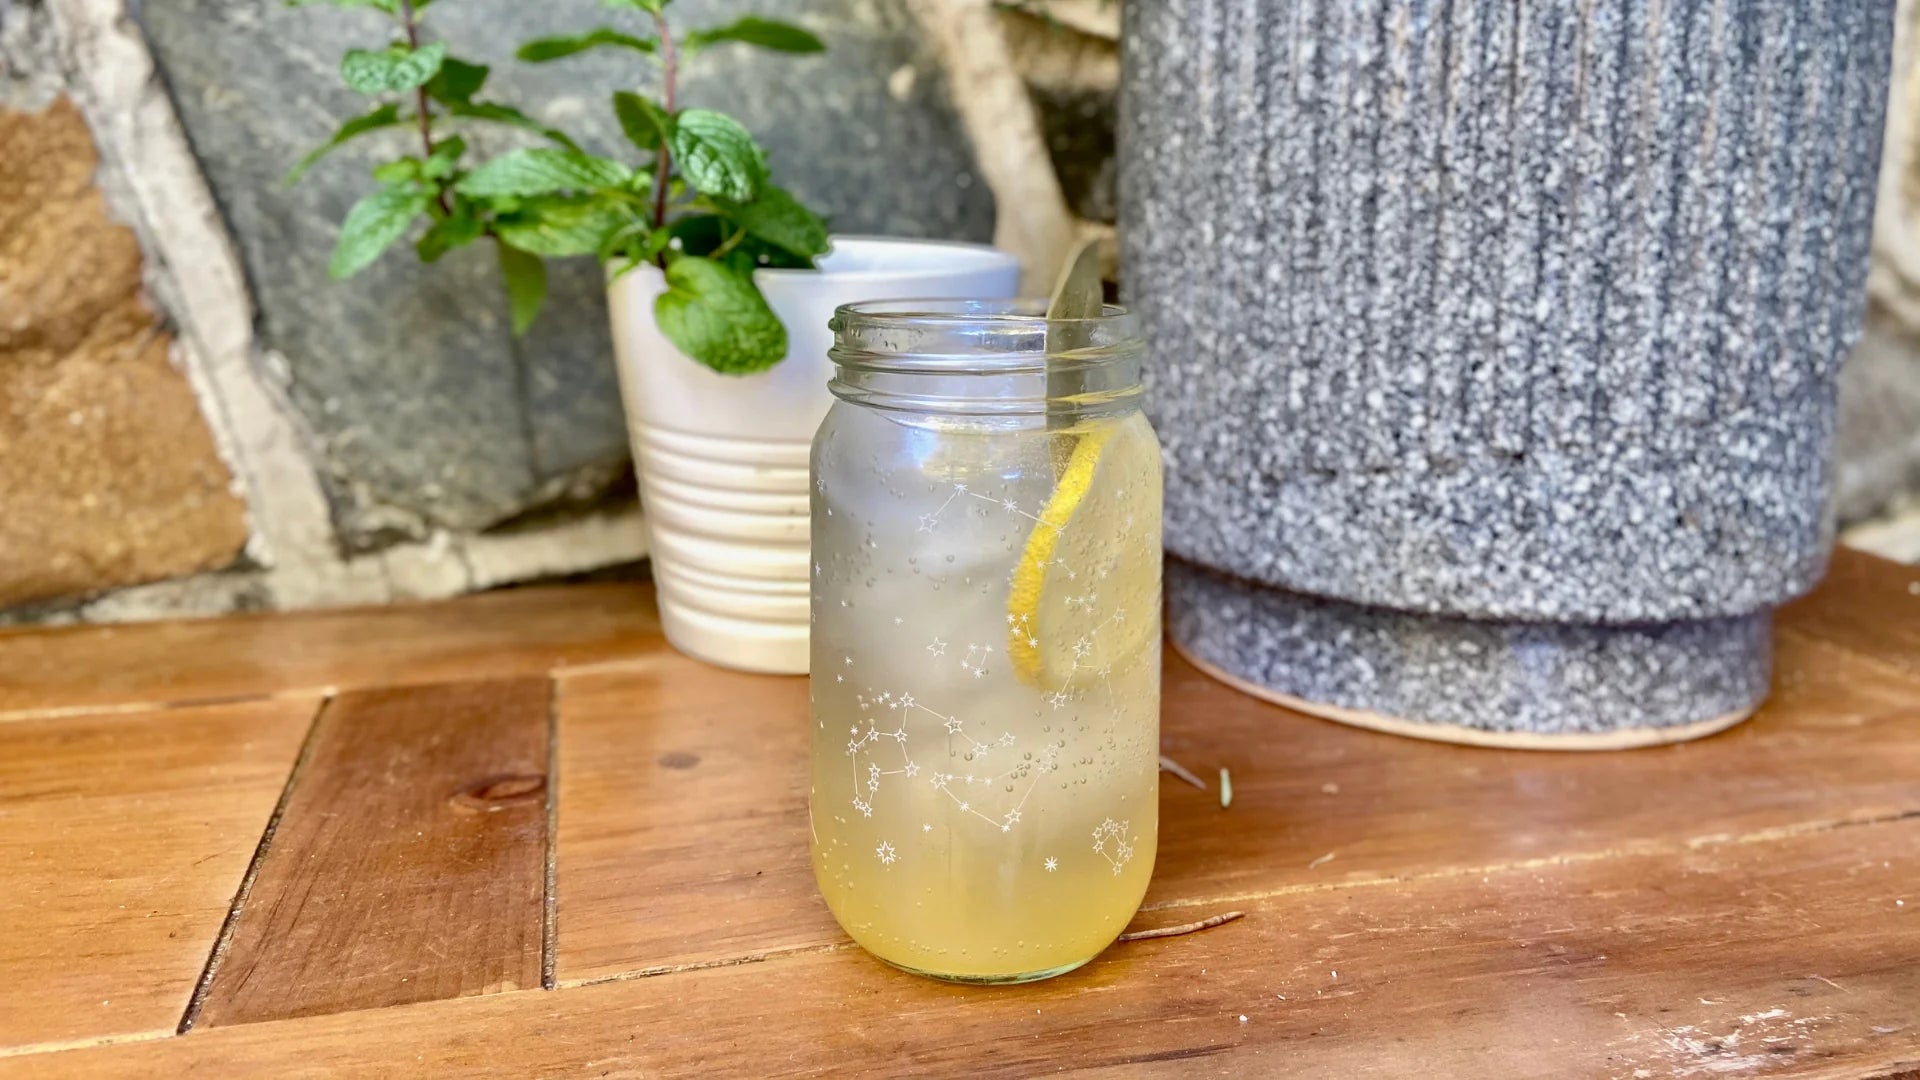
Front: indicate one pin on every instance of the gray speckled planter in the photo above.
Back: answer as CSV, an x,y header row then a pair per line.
x,y
1494,343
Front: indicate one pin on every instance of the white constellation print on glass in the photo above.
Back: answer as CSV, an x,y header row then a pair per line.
x,y
1113,841
972,793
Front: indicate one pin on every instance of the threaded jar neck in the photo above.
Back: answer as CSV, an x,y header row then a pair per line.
x,y
985,357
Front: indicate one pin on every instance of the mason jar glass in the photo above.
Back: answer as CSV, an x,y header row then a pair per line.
x,y
986,636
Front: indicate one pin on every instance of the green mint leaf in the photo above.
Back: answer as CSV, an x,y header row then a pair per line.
x,y
449,233
393,69
404,170
385,116
557,227
642,118
456,81
717,156
526,279
541,50
543,171
372,226
716,315
444,159
779,219
652,7
620,239
753,30
493,112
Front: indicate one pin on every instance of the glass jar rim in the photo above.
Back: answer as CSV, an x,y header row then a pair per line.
x,y
984,356
987,336
1021,314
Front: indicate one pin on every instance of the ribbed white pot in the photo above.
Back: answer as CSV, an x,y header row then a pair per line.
x,y
723,458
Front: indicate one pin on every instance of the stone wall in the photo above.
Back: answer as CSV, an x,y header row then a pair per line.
x,y
110,472
193,419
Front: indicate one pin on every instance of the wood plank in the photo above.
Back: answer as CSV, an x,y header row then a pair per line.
x,y
408,864
512,632
1316,801
1765,956
1866,604
122,841
698,775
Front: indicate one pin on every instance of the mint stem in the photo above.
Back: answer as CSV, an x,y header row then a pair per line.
x,y
731,243
669,60
408,19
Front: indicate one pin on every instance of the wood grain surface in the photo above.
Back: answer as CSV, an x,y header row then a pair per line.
x,y
1740,906
409,861
122,841
1781,957
143,665
1868,606
699,775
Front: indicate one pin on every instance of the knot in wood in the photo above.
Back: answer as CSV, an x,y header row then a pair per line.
x,y
502,791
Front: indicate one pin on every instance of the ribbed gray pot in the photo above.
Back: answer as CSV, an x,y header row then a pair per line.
x,y
1494,343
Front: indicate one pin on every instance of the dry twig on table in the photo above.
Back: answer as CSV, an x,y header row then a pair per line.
x,y
1167,764
1183,928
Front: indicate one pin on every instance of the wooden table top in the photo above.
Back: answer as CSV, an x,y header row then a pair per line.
x,y
515,834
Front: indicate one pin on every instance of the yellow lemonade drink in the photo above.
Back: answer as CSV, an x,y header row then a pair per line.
x,y
986,686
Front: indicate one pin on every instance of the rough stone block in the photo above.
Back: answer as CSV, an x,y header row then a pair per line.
x,y
107,470
426,411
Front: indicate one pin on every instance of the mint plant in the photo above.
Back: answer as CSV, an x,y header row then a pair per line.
x,y
701,206
713,214
419,85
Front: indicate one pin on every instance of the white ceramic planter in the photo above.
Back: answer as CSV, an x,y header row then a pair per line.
x,y
723,458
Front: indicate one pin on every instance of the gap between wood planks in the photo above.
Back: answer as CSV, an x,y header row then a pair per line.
x,y
550,906
550,903
224,938
848,946
90,1043
1637,850
61,712
1711,840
